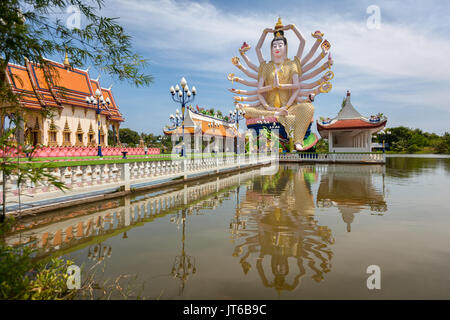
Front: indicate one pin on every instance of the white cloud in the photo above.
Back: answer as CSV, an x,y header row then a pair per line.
x,y
398,64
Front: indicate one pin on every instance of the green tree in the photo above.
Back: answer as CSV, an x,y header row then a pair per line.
x,y
30,29
443,146
322,145
128,136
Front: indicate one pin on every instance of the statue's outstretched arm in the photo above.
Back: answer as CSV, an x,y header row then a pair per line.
x,y
312,84
242,106
313,63
323,88
318,35
248,62
260,43
238,64
261,98
251,92
243,99
300,37
232,78
296,92
318,70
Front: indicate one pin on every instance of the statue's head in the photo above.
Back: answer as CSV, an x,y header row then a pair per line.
x,y
278,46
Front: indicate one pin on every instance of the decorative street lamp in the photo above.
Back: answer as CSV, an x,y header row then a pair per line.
x,y
237,115
183,96
384,133
176,119
98,101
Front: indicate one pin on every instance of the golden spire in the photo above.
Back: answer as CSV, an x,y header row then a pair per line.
x,y
66,60
279,24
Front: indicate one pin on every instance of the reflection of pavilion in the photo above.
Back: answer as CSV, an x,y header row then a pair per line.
x,y
281,232
351,189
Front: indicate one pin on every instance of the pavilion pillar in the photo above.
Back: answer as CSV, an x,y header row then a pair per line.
x,y
116,132
330,141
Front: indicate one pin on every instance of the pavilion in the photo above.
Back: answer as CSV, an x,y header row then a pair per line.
x,y
349,131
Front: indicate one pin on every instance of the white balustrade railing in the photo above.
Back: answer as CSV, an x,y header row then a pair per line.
x,y
81,179
334,157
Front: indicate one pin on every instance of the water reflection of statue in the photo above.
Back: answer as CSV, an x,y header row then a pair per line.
x,y
282,229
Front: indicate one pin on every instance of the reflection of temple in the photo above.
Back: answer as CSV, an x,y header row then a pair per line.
x,y
351,189
281,233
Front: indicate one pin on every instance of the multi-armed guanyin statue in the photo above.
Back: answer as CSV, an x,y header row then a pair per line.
x,y
281,91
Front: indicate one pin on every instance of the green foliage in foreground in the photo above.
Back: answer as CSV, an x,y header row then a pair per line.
x,y
23,279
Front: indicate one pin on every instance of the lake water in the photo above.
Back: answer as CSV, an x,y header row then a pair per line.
x,y
306,232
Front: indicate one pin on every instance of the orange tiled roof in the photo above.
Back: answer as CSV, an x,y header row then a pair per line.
x,y
220,130
350,124
63,85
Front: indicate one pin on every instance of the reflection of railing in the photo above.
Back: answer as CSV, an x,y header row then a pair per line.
x,y
73,231
96,178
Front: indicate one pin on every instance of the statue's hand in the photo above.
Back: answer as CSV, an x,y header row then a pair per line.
x,y
276,81
330,60
288,27
268,30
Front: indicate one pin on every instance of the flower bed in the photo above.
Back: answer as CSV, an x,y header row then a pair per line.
x,y
64,152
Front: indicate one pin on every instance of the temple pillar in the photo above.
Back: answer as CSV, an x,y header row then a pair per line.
x,y
20,134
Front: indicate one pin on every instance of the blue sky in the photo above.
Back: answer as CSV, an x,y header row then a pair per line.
x,y
401,69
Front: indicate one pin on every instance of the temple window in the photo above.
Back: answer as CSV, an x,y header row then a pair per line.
x,y
66,135
79,135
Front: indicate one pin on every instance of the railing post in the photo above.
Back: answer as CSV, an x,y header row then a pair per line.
x,y
126,175
217,164
184,168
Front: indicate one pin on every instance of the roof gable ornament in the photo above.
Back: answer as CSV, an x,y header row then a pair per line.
x,y
348,111
66,60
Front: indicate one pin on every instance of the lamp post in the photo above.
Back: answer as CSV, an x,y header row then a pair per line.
x,y
384,138
176,119
183,96
237,115
97,101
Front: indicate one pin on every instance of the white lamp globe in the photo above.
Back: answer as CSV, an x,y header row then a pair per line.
x,y
183,82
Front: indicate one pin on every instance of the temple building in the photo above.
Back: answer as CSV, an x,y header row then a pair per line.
x,y
65,89
349,131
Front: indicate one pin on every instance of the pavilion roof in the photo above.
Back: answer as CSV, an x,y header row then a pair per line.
x,y
349,118
208,125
